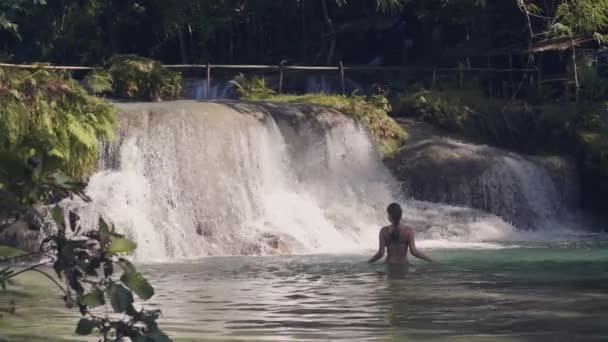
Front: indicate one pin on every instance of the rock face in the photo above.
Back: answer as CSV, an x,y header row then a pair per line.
x,y
19,236
528,192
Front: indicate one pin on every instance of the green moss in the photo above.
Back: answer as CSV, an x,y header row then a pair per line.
x,y
371,112
595,148
136,78
49,115
473,116
460,111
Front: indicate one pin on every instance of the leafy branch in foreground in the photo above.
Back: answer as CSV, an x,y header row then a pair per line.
x,y
87,262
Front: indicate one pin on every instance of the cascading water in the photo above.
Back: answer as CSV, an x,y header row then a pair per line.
x,y
223,88
190,179
196,89
532,193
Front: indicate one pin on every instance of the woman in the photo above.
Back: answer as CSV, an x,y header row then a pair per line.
x,y
396,239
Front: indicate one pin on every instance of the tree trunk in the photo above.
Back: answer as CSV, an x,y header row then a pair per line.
x,y
575,68
112,34
332,32
304,33
182,46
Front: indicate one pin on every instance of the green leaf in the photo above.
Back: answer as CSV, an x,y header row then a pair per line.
x,y
158,336
138,284
60,178
99,82
121,245
120,298
104,229
10,252
85,326
126,265
94,299
58,216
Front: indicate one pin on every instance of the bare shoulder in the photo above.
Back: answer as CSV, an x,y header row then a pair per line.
x,y
408,230
384,229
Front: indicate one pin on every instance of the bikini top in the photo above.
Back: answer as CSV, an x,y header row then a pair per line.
x,y
395,239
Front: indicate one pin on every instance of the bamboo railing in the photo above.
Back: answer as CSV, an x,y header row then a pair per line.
x,y
282,69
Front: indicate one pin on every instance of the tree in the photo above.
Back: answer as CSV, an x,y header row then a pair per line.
x,y
567,19
11,8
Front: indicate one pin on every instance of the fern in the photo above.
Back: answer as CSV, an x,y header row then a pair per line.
x,y
99,82
139,78
49,114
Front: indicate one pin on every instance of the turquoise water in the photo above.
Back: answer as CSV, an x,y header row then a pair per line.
x,y
556,292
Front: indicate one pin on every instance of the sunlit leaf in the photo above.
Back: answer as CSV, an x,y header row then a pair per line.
x,y
121,245
94,298
138,284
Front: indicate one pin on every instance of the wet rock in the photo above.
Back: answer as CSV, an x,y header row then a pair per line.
x,y
522,190
19,236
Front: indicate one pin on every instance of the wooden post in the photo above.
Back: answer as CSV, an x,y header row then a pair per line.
x,y
282,69
512,82
208,81
434,77
539,77
490,77
461,75
342,84
575,69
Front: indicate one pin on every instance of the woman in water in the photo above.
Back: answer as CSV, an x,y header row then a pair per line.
x,y
396,239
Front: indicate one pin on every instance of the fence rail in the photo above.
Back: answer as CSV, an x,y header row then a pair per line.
x,y
282,68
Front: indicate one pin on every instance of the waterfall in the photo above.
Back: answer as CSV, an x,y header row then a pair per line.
x,y
196,89
520,189
190,179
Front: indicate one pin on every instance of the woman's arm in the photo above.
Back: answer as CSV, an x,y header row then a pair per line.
x,y
415,251
381,248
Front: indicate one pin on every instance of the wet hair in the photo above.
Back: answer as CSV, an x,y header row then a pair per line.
x,y
394,214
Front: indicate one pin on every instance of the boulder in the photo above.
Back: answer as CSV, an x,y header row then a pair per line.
x,y
526,191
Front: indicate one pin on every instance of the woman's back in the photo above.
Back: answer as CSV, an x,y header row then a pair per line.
x,y
396,241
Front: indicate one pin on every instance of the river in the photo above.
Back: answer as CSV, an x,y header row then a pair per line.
x,y
532,292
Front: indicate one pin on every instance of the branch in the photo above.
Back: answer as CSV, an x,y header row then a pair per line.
x,y
52,279
31,268
7,259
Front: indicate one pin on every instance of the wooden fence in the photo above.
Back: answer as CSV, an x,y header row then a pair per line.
x,y
340,69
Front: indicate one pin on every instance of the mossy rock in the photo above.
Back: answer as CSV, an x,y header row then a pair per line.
x,y
472,116
595,149
47,115
136,78
371,112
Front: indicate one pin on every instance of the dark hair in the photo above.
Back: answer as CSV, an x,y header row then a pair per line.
x,y
394,214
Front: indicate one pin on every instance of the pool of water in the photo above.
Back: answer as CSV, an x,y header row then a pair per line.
x,y
556,292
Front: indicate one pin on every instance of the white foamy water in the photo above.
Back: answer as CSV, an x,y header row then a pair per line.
x,y
188,179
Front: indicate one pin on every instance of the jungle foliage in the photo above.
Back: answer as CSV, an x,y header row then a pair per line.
x,y
50,130
48,117
135,78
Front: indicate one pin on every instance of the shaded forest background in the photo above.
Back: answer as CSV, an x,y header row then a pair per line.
x,y
311,32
